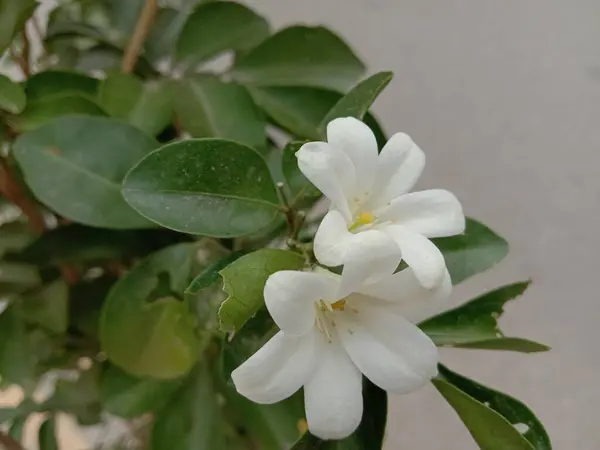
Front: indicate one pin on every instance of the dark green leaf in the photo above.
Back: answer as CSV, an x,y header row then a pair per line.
x,y
75,165
474,324
16,363
371,121
54,82
13,15
210,275
301,56
496,420
298,110
163,35
204,186
48,306
127,396
147,336
370,433
12,97
475,251
40,112
244,281
124,14
15,236
296,181
16,427
147,106
71,29
216,27
208,107
17,277
192,417
23,409
47,435
359,99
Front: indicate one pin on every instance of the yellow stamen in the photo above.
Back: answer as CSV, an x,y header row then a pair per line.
x,y
302,426
366,218
339,305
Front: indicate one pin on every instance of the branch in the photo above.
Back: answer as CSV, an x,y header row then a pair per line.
x,y
14,193
140,32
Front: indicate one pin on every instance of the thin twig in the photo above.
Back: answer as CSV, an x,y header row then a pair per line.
x,y
14,193
141,30
288,211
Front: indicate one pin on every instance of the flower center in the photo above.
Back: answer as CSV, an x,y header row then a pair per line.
x,y
326,315
365,218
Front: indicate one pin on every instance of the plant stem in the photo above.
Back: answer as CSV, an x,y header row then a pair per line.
x,y
140,32
288,210
14,193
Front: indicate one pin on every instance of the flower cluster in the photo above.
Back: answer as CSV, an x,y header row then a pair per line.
x,y
336,328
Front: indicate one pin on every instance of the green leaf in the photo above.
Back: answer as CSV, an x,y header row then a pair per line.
x,y
16,427
22,410
298,110
47,435
244,281
370,432
12,96
164,33
16,362
75,165
15,236
358,100
41,112
301,56
192,417
210,275
57,83
48,306
474,324
146,336
208,107
216,27
124,15
296,181
13,15
204,186
17,277
146,106
495,420
475,251
127,396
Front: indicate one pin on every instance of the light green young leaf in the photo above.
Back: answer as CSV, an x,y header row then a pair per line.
x,y
298,110
216,27
44,85
147,106
48,306
47,435
12,96
75,166
475,251
301,56
244,281
144,328
209,107
204,186
495,420
13,15
358,100
474,324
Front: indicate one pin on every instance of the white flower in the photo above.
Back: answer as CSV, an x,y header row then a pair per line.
x,y
371,215
329,338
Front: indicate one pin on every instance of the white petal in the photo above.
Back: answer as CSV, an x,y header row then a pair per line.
x,y
390,351
278,369
357,140
432,213
332,239
331,171
370,255
425,259
290,297
400,165
333,397
403,292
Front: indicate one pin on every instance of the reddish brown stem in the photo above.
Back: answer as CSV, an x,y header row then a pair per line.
x,y
14,193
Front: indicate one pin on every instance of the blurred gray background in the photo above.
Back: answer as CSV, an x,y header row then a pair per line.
x,y
504,98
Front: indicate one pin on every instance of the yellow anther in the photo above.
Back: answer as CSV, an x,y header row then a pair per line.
x,y
339,305
366,218
302,426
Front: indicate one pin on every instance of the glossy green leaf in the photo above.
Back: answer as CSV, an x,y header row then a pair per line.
x,y
475,251
474,324
144,328
55,82
12,96
209,107
127,396
48,306
75,165
301,56
147,106
370,432
296,181
358,100
47,435
191,418
13,15
204,186
298,110
244,281
216,27
41,112
495,420
16,361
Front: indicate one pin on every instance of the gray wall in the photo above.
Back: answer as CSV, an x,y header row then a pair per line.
x,y
504,97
